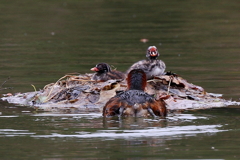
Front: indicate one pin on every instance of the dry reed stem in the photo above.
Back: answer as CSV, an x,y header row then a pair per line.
x,y
53,87
5,82
72,78
169,84
52,96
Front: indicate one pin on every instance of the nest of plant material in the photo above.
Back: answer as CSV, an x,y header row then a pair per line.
x,y
77,93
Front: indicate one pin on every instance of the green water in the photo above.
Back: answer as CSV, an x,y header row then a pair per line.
x,y
42,41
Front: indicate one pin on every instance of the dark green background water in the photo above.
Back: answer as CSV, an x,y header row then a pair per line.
x,y
43,40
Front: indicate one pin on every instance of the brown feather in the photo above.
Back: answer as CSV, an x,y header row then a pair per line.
x,y
136,79
135,102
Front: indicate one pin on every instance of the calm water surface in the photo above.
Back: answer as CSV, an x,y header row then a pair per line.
x,y
41,41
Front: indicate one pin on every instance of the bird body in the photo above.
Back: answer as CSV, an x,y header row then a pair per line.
x,y
135,102
152,66
104,73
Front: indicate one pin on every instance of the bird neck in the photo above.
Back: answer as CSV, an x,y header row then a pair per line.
x,y
137,81
152,58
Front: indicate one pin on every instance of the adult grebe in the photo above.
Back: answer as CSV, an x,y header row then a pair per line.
x,y
135,102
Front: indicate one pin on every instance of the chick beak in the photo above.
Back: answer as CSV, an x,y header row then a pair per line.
x,y
153,52
94,69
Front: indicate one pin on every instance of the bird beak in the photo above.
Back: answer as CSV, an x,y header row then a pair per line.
x,y
94,69
153,52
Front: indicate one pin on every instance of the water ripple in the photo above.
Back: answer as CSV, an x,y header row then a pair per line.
x,y
191,130
13,132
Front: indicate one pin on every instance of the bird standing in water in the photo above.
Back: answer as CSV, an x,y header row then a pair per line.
x,y
135,102
104,73
152,66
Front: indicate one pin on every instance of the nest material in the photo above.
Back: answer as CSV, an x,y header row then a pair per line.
x,y
75,93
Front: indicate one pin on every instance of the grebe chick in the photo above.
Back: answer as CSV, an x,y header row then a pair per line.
x,y
104,73
152,66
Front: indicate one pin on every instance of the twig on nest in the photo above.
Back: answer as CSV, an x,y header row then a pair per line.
x,y
5,87
169,84
47,99
5,81
34,87
71,78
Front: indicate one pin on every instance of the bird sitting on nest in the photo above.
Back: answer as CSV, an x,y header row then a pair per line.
x,y
152,66
104,73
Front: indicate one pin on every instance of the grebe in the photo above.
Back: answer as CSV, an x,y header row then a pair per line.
x,y
152,66
134,101
104,73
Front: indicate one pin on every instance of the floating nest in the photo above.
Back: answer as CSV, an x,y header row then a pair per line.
x,y
78,93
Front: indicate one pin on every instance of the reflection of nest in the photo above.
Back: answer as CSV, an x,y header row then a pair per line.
x,y
79,92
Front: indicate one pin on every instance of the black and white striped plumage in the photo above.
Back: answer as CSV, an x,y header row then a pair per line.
x,y
152,66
